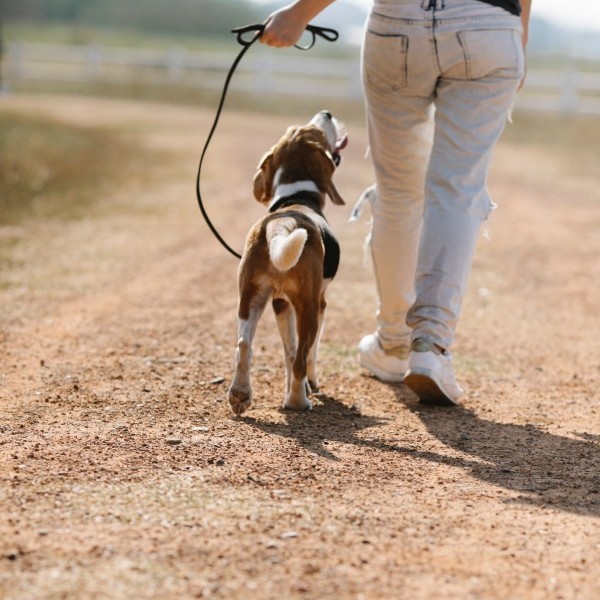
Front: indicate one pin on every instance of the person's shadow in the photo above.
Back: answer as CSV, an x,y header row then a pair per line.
x,y
546,469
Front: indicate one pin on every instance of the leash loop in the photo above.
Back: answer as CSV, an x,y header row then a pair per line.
x,y
240,31
331,35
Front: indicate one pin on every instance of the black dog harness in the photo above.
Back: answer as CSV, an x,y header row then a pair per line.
x,y
312,200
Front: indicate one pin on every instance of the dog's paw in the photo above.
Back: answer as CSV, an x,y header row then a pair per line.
x,y
240,399
299,402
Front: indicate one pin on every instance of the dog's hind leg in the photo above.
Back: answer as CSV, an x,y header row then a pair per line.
x,y
313,380
252,304
286,321
307,324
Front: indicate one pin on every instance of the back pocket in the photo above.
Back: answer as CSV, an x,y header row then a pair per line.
x,y
385,61
496,52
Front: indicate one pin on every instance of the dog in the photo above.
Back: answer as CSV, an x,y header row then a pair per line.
x,y
290,256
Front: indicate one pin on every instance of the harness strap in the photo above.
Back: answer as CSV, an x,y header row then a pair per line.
x,y
328,34
303,198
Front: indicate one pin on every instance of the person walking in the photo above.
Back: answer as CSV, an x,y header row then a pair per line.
x,y
439,79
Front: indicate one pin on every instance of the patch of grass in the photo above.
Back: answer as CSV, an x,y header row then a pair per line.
x,y
51,170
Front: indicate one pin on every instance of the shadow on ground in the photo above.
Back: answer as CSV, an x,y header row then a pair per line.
x,y
546,470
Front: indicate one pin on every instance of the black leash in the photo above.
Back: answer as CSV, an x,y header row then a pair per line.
x,y
331,35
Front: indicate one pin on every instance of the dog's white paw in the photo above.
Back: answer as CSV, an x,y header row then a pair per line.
x,y
240,399
297,402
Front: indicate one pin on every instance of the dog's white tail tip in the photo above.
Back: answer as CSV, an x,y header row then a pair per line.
x,y
285,250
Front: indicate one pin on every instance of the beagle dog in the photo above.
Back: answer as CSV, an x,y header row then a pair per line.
x,y
290,256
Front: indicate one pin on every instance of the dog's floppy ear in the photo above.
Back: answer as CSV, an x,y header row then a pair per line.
x,y
333,193
327,169
263,178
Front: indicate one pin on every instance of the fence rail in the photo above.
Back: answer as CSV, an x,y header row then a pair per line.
x,y
260,73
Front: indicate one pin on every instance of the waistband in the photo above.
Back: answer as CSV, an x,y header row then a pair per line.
x,y
440,5
426,10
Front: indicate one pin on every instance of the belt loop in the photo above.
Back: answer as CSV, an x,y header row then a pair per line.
x,y
433,5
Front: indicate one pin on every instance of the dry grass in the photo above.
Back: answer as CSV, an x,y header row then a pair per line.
x,y
52,170
575,140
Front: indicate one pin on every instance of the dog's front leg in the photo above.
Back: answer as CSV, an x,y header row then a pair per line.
x,y
240,391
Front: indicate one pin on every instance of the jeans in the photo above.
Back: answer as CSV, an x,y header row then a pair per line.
x,y
439,79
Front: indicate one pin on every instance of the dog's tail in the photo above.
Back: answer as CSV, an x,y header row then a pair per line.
x,y
286,242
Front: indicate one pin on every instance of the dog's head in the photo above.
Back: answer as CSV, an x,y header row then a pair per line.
x,y
309,152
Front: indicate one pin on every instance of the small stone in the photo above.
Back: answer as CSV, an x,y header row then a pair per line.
x,y
288,535
174,441
201,428
217,380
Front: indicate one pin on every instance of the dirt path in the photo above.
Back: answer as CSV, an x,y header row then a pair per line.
x,y
118,334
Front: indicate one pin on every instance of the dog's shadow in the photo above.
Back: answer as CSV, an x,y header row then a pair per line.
x,y
545,469
329,421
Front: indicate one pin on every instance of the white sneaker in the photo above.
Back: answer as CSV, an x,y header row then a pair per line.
x,y
387,365
431,375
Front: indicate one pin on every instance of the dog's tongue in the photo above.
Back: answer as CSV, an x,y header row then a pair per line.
x,y
341,143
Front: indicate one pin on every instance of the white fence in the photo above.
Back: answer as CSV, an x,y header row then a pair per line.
x,y
261,72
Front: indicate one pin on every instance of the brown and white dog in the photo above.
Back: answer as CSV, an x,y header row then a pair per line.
x,y
290,257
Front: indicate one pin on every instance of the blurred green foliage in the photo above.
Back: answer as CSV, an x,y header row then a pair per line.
x,y
197,17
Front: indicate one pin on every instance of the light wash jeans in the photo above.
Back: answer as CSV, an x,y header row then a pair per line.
x,y
439,79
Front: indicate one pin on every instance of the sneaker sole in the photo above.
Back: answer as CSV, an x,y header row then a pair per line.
x,y
385,376
427,389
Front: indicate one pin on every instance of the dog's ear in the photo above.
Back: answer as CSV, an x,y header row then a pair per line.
x,y
326,168
333,193
263,178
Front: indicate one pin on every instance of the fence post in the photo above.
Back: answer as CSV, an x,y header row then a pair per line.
x,y
175,63
15,60
264,75
355,87
569,98
93,60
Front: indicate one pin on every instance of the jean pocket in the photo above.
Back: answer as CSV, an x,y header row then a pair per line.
x,y
385,61
492,52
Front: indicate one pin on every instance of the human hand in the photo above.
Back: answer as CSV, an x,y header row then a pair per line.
x,y
283,28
